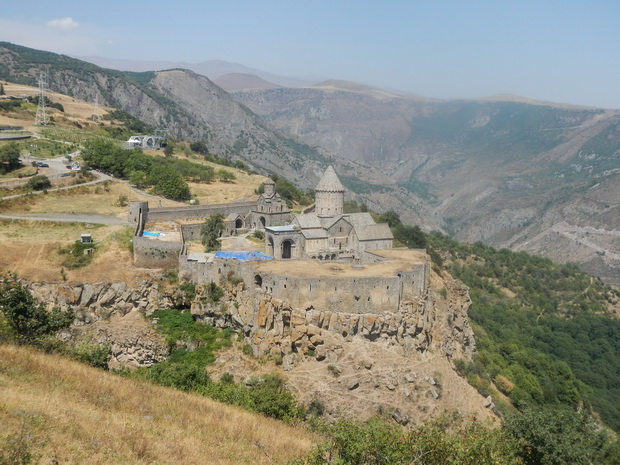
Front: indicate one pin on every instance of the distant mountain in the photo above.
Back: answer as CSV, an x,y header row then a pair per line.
x,y
237,81
213,69
507,171
191,107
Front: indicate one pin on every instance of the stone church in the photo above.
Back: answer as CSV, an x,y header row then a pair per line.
x,y
328,233
270,209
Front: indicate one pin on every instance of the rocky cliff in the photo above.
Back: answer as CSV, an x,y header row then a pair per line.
x,y
436,321
354,364
113,314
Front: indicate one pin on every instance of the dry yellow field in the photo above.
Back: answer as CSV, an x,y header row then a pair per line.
x,y
71,105
69,413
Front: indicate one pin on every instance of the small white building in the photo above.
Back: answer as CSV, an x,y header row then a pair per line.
x,y
146,142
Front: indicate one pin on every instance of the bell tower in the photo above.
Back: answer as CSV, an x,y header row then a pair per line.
x,y
329,194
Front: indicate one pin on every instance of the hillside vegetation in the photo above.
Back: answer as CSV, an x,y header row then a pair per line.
x,y
547,334
63,411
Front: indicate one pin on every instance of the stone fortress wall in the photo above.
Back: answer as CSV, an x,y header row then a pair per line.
x,y
185,213
357,292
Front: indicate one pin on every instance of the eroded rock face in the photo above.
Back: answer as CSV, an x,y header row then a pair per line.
x,y
92,302
272,326
113,314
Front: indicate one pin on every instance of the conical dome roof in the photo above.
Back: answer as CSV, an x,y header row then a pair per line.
x,y
330,182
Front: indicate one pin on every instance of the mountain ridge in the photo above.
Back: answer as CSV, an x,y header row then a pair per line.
x,y
507,173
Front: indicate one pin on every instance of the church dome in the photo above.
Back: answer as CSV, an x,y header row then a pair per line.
x,y
329,182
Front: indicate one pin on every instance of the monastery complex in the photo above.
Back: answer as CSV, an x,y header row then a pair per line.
x,y
325,259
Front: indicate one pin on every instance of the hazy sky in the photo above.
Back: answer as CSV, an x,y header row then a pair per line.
x,y
563,51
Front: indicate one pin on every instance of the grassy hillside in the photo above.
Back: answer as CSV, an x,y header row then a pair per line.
x,y
62,410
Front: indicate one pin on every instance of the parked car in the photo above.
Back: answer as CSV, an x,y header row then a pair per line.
x,y
40,164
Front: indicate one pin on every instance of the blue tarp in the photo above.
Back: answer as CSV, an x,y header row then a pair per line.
x,y
246,256
150,234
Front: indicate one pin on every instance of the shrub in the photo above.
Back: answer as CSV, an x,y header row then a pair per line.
x,y
122,200
214,292
271,398
95,355
75,255
186,377
557,436
39,182
27,317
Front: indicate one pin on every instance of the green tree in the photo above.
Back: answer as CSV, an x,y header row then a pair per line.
x,y
226,176
9,157
169,150
411,236
557,437
2,89
199,147
27,317
138,178
391,218
211,231
168,183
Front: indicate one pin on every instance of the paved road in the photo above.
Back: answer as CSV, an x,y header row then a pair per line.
x,y
68,218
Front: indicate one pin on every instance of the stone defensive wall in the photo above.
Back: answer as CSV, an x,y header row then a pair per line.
x,y
191,212
329,286
149,253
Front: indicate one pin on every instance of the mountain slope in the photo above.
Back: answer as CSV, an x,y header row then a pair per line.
x,y
191,107
506,172
238,81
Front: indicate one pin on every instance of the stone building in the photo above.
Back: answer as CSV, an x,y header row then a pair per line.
x,y
328,233
270,210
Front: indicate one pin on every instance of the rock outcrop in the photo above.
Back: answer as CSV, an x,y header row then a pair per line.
x,y
273,326
113,314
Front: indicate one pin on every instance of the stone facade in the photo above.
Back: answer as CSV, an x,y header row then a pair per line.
x,y
328,233
149,253
270,210
364,292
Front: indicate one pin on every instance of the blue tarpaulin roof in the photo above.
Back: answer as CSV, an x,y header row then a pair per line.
x,y
246,256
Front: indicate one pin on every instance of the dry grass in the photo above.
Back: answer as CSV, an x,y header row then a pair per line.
x,y
76,414
94,199
221,192
30,249
71,105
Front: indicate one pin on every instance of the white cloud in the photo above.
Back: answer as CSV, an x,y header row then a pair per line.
x,y
64,24
84,40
